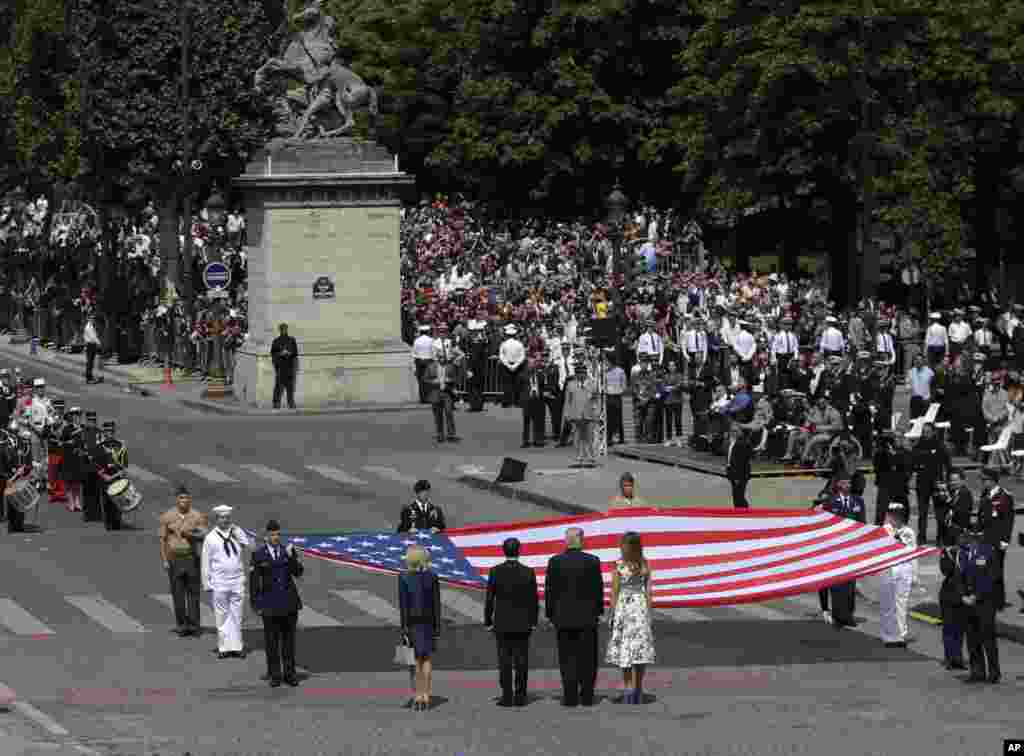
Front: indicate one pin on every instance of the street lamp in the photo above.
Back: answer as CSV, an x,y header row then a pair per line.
x,y
216,387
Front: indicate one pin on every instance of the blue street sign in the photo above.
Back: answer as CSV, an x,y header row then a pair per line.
x,y
216,275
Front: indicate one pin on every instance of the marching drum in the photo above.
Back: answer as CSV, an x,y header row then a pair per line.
x,y
25,496
124,495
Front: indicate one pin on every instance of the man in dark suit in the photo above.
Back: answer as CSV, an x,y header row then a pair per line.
x,y
284,353
737,466
275,598
440,378
574,603
843,596
511,613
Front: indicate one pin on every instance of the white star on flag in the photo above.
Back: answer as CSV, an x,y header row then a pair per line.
x,y
424,535
409,543
340,538
434,548
447,561
383,538
367,544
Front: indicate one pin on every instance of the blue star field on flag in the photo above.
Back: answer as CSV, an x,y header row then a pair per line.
x,y
386,552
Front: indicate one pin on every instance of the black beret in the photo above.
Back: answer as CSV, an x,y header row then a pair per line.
x,y
90,414
421,485
273,526
182,491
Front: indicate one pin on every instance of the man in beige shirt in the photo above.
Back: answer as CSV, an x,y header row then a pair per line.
x,y
182,529
627,498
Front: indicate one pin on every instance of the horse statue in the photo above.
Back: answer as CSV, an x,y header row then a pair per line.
x,y
332,91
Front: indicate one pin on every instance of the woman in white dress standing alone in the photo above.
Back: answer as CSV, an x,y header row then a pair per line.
x,y
631,646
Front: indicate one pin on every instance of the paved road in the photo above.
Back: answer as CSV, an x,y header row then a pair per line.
x,y
85,641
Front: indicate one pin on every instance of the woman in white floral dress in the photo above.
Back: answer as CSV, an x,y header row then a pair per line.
x,y
631,646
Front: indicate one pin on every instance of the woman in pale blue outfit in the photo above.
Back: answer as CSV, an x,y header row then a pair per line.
x,y
631,646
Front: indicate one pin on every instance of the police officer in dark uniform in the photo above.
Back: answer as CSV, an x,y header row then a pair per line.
x,y
995,520
979,569
843,597
72,469
931,462
951,594
92,508
112,459
421,514
892,475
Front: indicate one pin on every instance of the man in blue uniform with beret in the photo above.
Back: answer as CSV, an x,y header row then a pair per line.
x,y
274,596
980,571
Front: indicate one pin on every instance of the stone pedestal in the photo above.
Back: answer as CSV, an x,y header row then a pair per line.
x,y
323,246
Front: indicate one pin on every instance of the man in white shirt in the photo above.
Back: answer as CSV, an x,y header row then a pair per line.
x,y
936,340
785,347
223,572
1006,324
885,344
695,347
745,346
831,343
615,388
445,346
422,354
959,334
511,355
984,339
919,378
650,344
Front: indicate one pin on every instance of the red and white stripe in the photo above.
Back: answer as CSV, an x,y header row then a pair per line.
x,y
707,557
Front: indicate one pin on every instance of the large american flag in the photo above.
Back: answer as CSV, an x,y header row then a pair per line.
x,y
698,557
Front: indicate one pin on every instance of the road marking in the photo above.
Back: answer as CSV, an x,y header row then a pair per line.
x,y
682,614
338,476
274,476
464,604
40,718
145,475
372,604
205,612
311,618
20,622
390,473
102,611
921,617
214,476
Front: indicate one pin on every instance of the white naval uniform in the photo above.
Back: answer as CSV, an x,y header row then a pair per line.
x,y
895,591
39,413
224,574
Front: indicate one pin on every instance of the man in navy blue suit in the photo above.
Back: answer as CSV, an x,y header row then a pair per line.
x,y
275,598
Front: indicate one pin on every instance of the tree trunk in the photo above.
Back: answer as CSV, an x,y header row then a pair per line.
x,y
168,211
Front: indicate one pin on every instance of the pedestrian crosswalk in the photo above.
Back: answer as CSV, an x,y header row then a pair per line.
x,y
335,608
227,473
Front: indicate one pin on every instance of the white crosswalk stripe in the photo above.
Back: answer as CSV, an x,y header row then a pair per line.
x,y
208,473
372,604
274,476
141,473
463,604
339,476
205,612
312,618
390,473
112,617
19,621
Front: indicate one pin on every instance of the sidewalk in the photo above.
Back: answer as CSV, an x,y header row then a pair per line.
x,y
187,390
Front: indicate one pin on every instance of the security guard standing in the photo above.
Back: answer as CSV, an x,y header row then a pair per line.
x,y
979,569
995,520
113,458
92,510
421,514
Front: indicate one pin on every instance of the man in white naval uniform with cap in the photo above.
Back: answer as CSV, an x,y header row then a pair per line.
x,y
512,355
422,354
224,572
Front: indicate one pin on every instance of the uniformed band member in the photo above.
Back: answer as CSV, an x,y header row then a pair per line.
x,y
8,398
9,464
182,529
421,514
951,594
980,573
55,453
22,459
112,459
275,598
92,508
72,469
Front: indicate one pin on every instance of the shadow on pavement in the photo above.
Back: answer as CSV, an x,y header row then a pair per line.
x,y
678,644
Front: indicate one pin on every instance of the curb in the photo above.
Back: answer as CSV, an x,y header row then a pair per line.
x,y
510,491
235,410
809,473
109,377
929,612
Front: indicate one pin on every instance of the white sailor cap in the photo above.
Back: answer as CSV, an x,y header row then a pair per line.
x,y
831,319
222,509
476,325
863,354
425,328
4,371
897,507
511,330
935,316
39,382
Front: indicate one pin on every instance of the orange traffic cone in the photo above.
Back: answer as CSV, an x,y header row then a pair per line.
x,y
168,384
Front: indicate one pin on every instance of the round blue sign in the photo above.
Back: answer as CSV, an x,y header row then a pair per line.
x,y
216,275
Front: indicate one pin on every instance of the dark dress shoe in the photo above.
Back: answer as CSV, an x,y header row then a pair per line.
x,y
995,679
539,444
292,681
224,655
587,702
896,644
453,439
275,683
506,702
440,439
525,445
520,701
975,679
570,704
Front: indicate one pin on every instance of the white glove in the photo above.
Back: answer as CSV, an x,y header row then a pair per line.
x,y
969,600
1004,545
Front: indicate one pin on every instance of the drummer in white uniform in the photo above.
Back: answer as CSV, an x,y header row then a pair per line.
x,y
223,572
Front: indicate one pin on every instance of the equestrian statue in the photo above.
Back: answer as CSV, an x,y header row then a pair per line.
x,y
330,92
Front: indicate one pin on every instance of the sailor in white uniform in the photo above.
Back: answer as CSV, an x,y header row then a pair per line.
x,y
897,581
223,572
